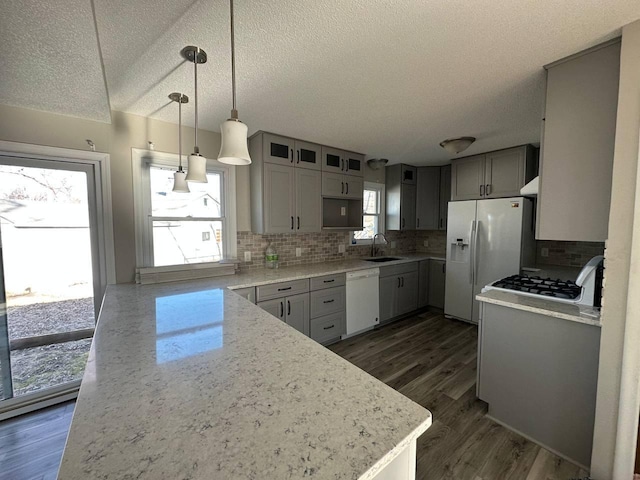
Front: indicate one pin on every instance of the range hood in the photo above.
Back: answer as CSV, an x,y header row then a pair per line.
x,y
531,188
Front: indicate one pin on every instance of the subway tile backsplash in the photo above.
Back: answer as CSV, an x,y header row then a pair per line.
x,y
323,247
567,254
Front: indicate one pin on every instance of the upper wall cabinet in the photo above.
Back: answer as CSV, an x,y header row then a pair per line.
x,y
341,161
492,175
428,198
445,195
401,197
578,145
277,149
308,155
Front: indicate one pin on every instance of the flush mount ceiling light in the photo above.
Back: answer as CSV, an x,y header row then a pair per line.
x,y
377,163
233,148
457,145
180,184
197,164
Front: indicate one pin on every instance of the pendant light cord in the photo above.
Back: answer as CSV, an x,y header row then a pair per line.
x,y
234,111
180,134
195,71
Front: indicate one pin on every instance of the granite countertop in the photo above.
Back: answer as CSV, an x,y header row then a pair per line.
x,y
568,311
190,380
265,276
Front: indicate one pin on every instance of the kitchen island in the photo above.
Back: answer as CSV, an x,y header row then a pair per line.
x,y
538,369
190,380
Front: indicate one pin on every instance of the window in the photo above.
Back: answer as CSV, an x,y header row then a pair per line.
x,y
372,214
179,229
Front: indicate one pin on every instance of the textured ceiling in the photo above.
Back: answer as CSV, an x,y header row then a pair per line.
x,y
387,78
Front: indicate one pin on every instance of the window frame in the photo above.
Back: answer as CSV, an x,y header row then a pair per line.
x,y
380,188
143,160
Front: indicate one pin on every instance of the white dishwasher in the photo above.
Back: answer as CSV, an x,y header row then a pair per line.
x,y
363,301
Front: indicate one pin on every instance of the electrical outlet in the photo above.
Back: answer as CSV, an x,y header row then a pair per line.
x,y
343,211
247,256
298,252
393,244
340,248
544,252
426,243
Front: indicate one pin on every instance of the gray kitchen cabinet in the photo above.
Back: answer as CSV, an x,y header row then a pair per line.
x,y
308,187
286,195
308,155
279,198
423,283
579,129
341,161
328,308
407,300
354,163
293,310
437,280
492,175
328,329
277,149
338,185
398,290
400,184
445,195
428,198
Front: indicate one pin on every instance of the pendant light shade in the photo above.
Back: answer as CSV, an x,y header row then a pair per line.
x,y
197,164
179,177
457,145
233,149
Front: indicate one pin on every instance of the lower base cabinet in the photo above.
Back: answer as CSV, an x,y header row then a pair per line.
x,y
294,311
328,328
398,290
437,276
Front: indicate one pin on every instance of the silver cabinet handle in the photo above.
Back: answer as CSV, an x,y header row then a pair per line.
x,y
482,190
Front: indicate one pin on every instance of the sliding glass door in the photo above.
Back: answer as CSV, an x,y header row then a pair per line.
x,y
49,290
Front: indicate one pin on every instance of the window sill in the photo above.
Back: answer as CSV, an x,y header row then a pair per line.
x,y
173,273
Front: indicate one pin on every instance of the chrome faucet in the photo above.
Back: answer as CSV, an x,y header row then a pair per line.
x,y
374,250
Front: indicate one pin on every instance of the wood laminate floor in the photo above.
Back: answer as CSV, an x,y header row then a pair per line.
x,y
31,445
432,360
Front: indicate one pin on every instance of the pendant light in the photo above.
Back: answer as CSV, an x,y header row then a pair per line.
x,y
457,145
180,184
197,164
233,148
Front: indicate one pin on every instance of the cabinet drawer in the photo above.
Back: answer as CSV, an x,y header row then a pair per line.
x,y
398,269
328,281
329,327
325,302
283,289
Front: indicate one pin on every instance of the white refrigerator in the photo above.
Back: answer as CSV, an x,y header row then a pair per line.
x,y
486,240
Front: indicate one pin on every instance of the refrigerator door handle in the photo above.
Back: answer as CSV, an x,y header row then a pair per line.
x,y
471,253
475,252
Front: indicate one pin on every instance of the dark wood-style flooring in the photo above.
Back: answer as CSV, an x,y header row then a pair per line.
x,y
428,358
432,360
31,445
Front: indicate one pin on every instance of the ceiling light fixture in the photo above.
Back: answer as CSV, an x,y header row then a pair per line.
x,y
180,184
377,163
457,145
233,148
197,164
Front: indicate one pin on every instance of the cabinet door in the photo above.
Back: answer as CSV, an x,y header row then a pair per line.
x,y
297,312
409,174
308,155
279,198
274,307
308,200
353,186
354,163
332,160
408,207
388,295
467,178
445,195
277,149
423,283
428,198
332,185
407,293
504,172
437,271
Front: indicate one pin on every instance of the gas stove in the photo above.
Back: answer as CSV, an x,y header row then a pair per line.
x,y
586,290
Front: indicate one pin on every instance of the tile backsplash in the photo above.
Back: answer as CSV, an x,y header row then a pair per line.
x,y
567,254
323,247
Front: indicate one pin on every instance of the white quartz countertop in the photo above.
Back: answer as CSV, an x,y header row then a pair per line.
x,y
265,276
190,380
567,311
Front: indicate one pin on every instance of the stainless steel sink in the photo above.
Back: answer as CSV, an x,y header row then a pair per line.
x,y
382,259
